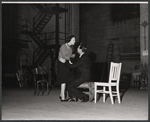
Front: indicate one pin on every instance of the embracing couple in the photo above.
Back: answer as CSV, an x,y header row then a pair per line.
x,y
82,67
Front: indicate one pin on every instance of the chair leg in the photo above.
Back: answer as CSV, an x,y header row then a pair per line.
x,y
47,86
90,96
135,84
38,90
35,91
95,93
48,89
118,95
104,95
110,93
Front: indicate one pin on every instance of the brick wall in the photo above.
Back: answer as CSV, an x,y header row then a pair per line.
x,y
98,30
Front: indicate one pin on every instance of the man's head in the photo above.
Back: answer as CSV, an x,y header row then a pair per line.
x,y
81,49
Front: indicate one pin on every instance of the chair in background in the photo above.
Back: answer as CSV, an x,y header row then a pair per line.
x,y
114,78
41,82
137,81
22,80
143,81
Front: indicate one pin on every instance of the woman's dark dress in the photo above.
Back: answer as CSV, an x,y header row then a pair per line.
x,y
62,73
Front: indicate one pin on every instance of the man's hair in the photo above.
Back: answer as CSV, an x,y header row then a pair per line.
x,y
82,47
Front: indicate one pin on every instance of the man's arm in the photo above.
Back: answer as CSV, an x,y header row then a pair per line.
x,y
76,64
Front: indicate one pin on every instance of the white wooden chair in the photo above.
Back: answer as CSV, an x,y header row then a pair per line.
x,y
114,78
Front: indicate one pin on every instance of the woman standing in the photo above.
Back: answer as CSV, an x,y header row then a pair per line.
x,y
65,53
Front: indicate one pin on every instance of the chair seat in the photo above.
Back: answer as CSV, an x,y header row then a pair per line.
x,y
42,81
105,84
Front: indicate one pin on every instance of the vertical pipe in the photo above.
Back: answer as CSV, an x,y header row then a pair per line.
x,y
21,59
65,24
71,19
57,32
54,58
144,38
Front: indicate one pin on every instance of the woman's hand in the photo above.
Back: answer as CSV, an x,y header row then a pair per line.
x,y
62,60
70,62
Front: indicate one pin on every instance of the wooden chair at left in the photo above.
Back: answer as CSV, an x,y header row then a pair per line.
x,y
41,80
22,80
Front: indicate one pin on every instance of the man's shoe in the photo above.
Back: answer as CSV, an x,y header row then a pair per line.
x,y
72,100
84,100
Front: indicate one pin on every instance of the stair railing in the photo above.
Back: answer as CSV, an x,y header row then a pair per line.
x,y
49,36
37,53
62,34
44,70
27,26
42,37
36,19
28,61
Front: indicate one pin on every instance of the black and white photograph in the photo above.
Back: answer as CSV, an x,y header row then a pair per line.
x,y
74,60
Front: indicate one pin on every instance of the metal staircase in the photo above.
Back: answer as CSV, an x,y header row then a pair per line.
x,y
40,21
39,40
35,31
40,55
39,6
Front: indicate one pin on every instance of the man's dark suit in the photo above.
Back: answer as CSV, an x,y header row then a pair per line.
x,y
83,74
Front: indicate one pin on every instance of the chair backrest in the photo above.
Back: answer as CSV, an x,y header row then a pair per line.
x,y
34,73
143,77
40,73
137,77
41,70
17,77
115,71
19,74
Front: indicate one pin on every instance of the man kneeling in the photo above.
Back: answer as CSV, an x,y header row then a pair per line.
x,y
83,74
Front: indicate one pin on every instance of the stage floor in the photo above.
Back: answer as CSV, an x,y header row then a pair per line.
x,y
21,104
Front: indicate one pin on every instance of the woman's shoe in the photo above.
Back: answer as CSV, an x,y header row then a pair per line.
x,y
62,100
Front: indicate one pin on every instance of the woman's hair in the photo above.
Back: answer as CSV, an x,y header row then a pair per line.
x,y
68,39
82,47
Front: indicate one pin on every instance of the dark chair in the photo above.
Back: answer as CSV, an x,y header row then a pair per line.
x,y
22,80
137,81
41,81
143,81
